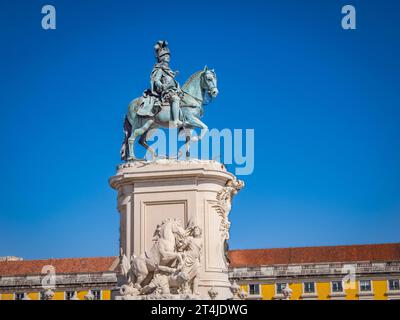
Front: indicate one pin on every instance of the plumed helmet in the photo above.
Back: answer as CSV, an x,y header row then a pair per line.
x,y
161,49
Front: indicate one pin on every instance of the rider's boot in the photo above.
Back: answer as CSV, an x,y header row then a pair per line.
x,y
175,114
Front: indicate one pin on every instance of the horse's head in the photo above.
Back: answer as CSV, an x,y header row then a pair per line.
x,y
173,225
209,82
177,228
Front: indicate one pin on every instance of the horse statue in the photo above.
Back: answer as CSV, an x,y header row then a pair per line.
x,y
197,91
162,253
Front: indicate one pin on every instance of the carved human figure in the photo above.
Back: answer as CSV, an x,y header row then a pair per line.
x,y
235,289
192,250
89,295
287,292
48,294
243,294
223,207
225,196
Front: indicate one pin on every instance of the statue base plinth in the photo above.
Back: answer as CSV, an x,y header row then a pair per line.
x,y
150,192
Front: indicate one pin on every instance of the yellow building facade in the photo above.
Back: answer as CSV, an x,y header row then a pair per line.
x,y
357,272
323,291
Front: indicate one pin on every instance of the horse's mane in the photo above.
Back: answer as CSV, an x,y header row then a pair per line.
x,y
167,220
191,78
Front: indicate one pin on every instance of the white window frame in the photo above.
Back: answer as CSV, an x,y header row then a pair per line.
x,y
101,293
309,295
363,291
304,288
366,295
338,295
392,294
276,288
279,296
15,295
388,285
259,289
337,292
65,294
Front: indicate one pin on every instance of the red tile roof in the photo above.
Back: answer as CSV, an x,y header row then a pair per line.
x,y
239,258
350,253
71,265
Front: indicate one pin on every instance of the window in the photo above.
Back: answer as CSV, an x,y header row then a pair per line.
x,y
69,295
337,286
254,289
279,287
394,284
309,287
19,296
365,285
96,294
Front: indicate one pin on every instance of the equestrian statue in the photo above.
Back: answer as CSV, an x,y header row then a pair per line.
x,y
168,105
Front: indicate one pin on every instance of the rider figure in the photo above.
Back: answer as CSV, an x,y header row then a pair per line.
x,y
163,81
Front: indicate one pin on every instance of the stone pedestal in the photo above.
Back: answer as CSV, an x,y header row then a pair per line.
x,y
195,192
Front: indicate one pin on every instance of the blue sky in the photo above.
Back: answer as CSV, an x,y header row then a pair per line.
x,y
324,104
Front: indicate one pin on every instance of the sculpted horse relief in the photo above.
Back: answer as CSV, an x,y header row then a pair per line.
x,y
171,266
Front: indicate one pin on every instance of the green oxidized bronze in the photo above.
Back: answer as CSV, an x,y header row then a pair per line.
x,y
167,105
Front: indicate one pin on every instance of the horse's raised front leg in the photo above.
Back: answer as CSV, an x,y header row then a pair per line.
x,y
196,122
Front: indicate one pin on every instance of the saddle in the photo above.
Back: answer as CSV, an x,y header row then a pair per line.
x,y
149,105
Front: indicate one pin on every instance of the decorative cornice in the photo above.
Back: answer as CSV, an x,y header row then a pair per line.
x,y
137,171
310,270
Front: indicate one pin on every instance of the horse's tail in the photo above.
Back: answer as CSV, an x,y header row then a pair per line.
x,y
127,133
